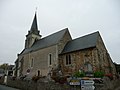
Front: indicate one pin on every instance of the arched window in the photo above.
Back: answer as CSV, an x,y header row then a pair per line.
x,y
38,72
49,59
32,63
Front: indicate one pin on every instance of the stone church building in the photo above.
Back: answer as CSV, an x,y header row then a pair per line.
x,y
41,55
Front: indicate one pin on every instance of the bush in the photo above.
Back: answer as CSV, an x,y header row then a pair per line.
x,y
35,78
99,74
56,78
110,76
79,74
60,80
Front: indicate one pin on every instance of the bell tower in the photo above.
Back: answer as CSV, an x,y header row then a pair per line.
x,y
33,34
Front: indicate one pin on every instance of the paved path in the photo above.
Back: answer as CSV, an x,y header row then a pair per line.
x,y
3,87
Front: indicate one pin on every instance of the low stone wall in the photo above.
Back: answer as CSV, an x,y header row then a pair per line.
x,y
43,84
40,85
110,84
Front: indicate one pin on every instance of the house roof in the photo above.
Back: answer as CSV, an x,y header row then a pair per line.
x,y
80,43
46,41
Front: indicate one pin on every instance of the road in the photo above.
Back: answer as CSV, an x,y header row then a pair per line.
x,y
3,87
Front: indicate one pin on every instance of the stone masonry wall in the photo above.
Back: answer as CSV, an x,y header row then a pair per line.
x,y
63,41
97,57
40,63
78,59
48,85
40,58
105,61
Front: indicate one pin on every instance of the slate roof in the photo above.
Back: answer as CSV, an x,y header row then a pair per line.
x,y
34,24
46,41
81,43
34,27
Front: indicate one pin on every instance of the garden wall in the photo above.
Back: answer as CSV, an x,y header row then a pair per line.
x,y
43,84
40,85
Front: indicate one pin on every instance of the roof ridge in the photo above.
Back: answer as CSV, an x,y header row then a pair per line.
x,y
47,41
54,33
83,42
86,35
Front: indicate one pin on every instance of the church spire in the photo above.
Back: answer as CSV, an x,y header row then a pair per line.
x,y
33,34
34,24
34,27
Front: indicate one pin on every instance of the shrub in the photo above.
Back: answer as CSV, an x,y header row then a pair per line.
x,y
79,74
99,74
110,76
60,80
13,78
35,78
56,78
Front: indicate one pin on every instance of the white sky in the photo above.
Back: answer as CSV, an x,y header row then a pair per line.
x,y
80,16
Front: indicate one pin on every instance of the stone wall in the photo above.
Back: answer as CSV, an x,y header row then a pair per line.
x,y
78,60
40,85
43,84
105,61
65,39
40,57
97,56
40,62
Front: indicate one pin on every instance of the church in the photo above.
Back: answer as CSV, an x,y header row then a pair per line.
x,y
41,55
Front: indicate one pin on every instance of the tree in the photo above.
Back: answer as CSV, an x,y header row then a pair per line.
x,y
4,66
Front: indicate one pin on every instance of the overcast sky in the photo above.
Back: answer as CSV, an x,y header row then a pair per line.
x,y
80,16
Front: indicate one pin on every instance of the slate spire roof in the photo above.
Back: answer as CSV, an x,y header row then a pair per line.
x,y
34,24
34,27
84,42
